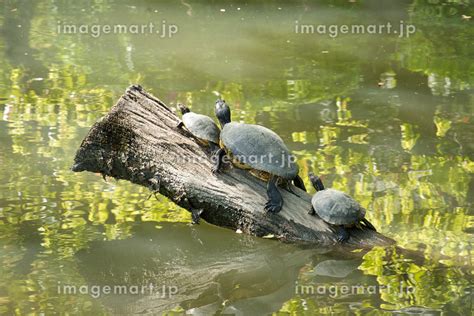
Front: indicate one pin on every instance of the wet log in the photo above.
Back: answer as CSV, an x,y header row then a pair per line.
x,y
139,141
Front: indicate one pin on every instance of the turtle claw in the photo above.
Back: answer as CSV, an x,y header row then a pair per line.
x,y
274,203
272,208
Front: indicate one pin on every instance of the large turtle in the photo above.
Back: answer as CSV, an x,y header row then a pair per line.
x,y
202,127
337,208
259,150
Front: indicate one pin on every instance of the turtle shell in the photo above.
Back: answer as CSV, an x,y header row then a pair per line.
x,y
259,148
201,126
336,207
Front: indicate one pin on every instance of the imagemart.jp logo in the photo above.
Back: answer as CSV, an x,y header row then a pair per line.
x,y
338,290
162,30
96,291
334,30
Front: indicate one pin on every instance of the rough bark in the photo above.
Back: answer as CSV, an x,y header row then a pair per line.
x,y
139,141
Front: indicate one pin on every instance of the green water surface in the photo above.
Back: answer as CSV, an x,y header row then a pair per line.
x,y
387,119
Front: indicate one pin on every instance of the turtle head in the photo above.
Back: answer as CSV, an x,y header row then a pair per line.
x,y
78,167
183,108
222,112
316,182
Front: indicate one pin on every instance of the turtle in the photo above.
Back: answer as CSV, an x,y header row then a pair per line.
x,y
259,150
337,208
202,127
205,131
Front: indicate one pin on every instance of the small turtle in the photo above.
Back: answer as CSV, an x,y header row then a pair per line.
x,y
337,208
202,127
259,150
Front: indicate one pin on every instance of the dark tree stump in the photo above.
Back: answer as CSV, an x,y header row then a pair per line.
x,y
138,141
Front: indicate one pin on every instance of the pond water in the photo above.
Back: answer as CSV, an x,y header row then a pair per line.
x,y
387,119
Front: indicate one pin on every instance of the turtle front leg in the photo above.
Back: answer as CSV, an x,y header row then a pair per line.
x,y
275,201
217,158
312,211
342,235
180,124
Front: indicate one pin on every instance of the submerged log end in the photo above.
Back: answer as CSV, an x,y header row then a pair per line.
x,y
139,141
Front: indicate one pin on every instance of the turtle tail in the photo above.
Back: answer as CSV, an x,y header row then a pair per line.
x,y
368,224
298,182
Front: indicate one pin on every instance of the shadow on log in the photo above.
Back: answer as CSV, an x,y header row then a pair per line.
x,y
138,140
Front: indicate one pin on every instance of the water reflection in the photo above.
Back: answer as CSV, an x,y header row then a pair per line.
x,y
373,115
209,273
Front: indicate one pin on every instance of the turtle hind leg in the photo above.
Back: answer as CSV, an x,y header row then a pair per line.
x,y
368,224
298,182
275,201
342,235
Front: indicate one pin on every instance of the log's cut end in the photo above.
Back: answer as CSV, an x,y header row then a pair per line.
x,y
139,141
